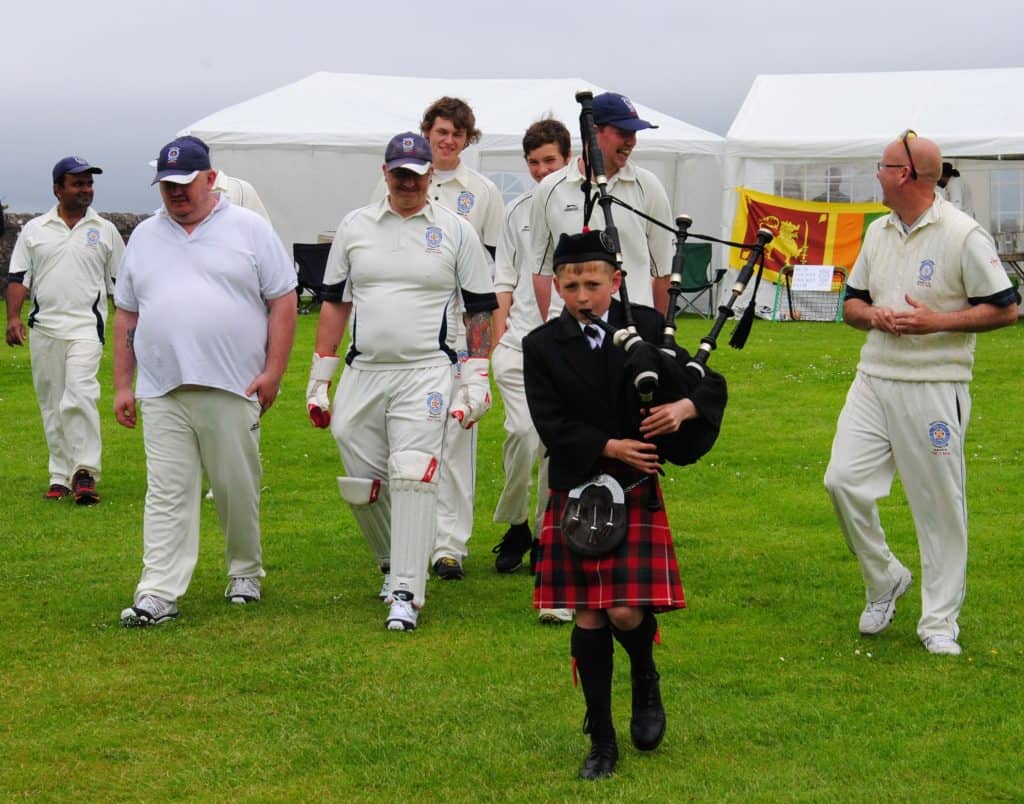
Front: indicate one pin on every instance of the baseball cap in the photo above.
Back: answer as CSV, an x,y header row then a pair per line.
x,y
72,164
584,247
408,150
181,160
611,108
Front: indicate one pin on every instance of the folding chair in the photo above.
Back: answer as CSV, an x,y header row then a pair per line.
x,y
697,280
311,259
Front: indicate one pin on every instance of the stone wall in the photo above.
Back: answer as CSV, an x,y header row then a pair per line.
x,y
13,221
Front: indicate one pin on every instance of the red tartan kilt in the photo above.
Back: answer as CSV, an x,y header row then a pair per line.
x,y
642,572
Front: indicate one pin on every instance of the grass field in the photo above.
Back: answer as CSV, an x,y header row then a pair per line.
x,y
771,692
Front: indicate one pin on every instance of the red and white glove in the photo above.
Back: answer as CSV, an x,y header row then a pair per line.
x,y
321,375
471,393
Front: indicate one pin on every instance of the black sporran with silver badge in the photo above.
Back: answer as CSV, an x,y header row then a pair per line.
x,y
595,518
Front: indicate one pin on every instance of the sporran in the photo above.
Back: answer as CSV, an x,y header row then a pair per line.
x,y
595,518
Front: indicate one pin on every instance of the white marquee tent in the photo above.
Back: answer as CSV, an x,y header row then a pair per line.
x,y
313,149
791,129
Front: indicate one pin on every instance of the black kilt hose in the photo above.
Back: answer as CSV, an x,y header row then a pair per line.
x,y
642,572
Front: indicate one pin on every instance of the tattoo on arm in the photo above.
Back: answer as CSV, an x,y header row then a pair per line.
x,y
130,338
478,334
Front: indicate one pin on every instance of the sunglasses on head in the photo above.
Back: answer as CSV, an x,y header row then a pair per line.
x,y
907,135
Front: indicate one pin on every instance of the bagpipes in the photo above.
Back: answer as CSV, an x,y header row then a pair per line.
x,y
664,373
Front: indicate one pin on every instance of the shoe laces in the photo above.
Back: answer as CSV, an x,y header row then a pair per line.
x,y
244,587
152,605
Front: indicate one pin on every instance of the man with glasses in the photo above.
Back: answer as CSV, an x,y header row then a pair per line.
x,y
396,267
927,278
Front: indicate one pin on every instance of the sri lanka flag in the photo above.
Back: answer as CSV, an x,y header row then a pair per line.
x,y
806,232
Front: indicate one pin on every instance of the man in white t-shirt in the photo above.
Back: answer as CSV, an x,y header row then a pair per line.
x,y
926,279
206,314
395,268
546,148
558,202
66,259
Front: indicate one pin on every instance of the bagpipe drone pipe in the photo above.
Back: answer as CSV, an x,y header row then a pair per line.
x,y
666,373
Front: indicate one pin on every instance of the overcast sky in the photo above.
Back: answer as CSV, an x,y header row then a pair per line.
x,y
112,81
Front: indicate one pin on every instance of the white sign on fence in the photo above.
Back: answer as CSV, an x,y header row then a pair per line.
x,y
812,277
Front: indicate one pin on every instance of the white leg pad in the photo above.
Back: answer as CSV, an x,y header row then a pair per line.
x,y
370,501
413,520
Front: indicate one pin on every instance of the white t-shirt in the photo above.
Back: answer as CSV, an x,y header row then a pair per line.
x,y
512,272
69,273
646,249
202,298
403,275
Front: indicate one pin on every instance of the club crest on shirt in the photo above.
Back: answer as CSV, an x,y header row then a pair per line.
x,y
939,434
435,405
925,272
464,203
434,238
92,236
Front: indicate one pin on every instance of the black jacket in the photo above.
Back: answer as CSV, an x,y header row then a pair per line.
x,y
579,398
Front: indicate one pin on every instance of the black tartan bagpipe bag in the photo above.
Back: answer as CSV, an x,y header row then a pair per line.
x,y
595,518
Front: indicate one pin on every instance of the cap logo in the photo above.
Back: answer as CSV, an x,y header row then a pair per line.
x,y
629,104
79,160
408,145
172,155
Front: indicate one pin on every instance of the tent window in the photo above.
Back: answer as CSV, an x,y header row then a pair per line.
x,y
1007,200
815,181
511,185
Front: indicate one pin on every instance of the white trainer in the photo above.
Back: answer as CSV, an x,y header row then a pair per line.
x,y
148,610
942,645
403,614
243,590
879,613
555,616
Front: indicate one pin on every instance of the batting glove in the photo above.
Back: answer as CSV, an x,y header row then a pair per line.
x,y
320,377
471,394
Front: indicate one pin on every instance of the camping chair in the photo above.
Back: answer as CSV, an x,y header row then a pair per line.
x,y
311,259
697,280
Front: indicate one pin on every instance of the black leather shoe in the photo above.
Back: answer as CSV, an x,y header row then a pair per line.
x,y
601,761
510,549
647,726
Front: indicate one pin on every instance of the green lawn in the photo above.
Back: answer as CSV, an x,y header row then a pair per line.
x,y
771,692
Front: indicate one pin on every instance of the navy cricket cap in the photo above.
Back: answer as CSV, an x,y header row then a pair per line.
x,y
585,247
181,160
613,109
72,164
408,150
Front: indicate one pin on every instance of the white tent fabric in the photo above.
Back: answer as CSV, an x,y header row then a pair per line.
x,y
313,149
849,118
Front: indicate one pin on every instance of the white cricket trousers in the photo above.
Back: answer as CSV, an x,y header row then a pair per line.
x,y
390,425
916,429
457,486
522,449
186,431
64,375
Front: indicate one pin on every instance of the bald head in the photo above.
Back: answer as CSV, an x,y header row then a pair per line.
x,y
927,159
909,197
